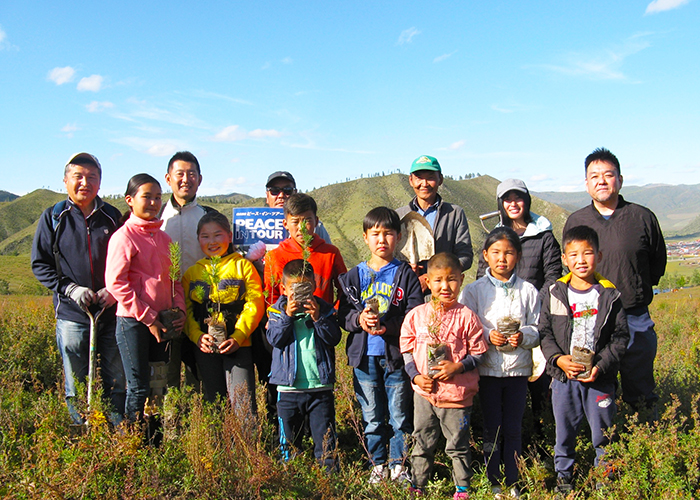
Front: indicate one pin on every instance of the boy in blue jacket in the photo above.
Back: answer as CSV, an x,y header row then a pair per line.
x,y
303,333
382,387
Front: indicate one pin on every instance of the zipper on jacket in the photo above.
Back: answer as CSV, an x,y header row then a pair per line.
x,y
89,242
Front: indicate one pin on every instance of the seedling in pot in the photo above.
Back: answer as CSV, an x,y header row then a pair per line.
x,y
174,274
509,324
584,357
216,322
436,349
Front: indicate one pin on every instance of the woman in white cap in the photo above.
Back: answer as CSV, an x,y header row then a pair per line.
x,y
541,260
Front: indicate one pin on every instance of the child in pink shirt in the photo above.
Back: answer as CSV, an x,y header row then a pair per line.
x,y
444,389
137,275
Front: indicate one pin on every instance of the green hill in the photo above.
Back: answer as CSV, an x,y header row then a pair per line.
x,y
6,196
692,230
25,210
342,208
674,206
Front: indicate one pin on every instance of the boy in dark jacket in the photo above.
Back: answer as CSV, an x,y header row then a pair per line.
x,y
581,315
382,387
303,332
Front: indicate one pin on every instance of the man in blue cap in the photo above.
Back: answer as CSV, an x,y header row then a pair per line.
x,y
448,222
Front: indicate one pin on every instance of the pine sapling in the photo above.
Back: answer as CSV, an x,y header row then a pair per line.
x,y
216,320
174,274
437,349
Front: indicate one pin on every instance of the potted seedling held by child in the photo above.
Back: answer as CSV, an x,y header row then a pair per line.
x,y
216,322
436,349
302,291
510,323
174,274
373,302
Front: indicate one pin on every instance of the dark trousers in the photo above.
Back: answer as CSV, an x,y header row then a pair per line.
x,y
637,365
292,407
137,348
503,402
571,402
231,374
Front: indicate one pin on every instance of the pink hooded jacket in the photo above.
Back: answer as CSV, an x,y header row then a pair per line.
x,y
461,331
138,262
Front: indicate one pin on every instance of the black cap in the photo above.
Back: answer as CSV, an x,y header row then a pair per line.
x,y
280,174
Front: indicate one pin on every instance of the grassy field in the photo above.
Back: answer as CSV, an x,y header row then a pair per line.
x,y
684,267
215,452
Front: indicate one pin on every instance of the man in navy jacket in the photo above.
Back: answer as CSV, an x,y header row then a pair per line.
x,y
68,257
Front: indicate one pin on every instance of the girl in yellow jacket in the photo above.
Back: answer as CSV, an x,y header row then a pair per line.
x,y
223,289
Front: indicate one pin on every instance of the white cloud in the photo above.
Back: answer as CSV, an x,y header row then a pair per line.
x,y
258,133
4,42
213,95
69,128
153,147
539,177
179,116
61,75
287,60
230,134
265,66
234,133
91,83
97,106
443,57
604,65
161,150
407,35
456,145
663,5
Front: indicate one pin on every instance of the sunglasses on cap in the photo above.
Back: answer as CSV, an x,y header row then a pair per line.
x,y
275,191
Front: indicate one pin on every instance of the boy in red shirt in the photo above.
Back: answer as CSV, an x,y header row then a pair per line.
x,y
300,220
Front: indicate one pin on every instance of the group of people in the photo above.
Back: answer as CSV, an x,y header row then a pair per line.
x,y
421,345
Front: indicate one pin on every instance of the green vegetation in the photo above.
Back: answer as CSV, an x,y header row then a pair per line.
x,y
217,452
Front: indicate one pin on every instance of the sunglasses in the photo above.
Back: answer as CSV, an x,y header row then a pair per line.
x,y
275,191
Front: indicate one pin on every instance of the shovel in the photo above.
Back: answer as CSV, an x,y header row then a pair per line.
x,y
92,368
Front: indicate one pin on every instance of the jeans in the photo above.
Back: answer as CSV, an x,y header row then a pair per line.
x,y
137,347
223,373
455,426
319,406
383,396
571,402
503,405
73,341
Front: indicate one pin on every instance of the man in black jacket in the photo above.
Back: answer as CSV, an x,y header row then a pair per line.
x,y
68,257
634,260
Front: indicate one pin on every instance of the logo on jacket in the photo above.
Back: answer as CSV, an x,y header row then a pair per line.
x,y
398,297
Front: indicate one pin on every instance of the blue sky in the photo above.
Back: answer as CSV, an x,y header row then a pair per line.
x,y
330,90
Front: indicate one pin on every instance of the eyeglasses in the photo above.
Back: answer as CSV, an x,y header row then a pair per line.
x,y
275,191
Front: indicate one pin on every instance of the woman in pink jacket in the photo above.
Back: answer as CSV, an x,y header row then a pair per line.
x,y
137,275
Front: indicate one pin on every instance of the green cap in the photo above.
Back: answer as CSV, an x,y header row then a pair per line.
x,y
425,163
